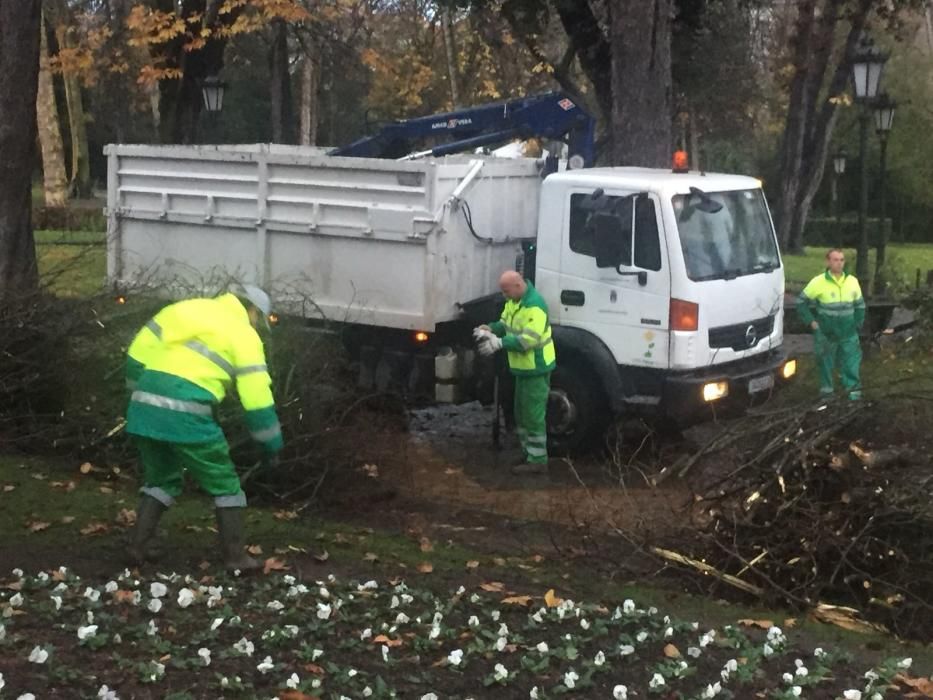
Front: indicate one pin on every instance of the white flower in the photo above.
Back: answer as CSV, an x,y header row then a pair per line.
x,y
669,632
796,690
802,671
111,587
86,632
500,672
401,619
2,682
385,653
17,600
57,601
641,636
620,692
694,652
18,573
871,676
275,605
584,624
324,611
787,678
317,654
628,607
473,621
533,693
500,643
185,597
293,681
42,576
571,678
657,680
152,629
157,589
60,588
38,655
429,696
2,632
155,605
877,696
626,649
205,655
712,690
455,657
852,695
26,696
652,610
394,603
367,692
218,621
600,658
106,693
495,614
244,646
92,594
818,652
732,665
542,647
707,638
158,670
767,649
266,665
905,663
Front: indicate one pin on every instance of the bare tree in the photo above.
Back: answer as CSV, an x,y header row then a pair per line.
x,y
19,76
50,135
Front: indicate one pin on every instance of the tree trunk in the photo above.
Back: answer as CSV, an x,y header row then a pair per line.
x,y
54,177
451,54
309,101
281,93
641,82
19,78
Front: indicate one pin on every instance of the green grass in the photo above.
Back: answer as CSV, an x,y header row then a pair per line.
x,y
72,263
905,258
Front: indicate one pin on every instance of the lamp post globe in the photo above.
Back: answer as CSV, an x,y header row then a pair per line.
x,y
212,92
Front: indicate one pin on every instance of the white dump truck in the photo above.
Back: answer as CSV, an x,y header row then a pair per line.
x,y
665,289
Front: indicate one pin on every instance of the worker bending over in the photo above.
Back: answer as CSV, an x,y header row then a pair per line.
x,y
524,331
179,368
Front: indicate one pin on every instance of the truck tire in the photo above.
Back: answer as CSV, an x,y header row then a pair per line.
x,y
578,412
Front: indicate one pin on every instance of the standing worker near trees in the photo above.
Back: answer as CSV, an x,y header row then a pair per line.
x,y
833,306
179,368
524,331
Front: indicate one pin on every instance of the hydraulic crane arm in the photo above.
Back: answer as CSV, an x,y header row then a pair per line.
x,y
551,115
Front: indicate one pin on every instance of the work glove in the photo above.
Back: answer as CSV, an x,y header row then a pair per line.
x,y
490,346
480,333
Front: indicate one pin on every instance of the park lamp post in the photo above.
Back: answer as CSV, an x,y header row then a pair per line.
x,y
839,169
212,94
884,108
867,66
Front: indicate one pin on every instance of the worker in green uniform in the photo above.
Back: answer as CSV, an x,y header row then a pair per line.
x,y
178,369
833,307
524,331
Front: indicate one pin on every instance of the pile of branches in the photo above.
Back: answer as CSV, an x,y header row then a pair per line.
x,y
799,507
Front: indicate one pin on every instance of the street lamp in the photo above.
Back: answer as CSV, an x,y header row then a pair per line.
x,y
839,168
884,108
212,91
867,65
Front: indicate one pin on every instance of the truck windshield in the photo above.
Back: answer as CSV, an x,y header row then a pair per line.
x,y
725,234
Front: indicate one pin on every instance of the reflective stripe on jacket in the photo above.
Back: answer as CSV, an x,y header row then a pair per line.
x,y
526,334
185,360
836,304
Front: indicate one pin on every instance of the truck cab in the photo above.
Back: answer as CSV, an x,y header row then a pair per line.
x,y
665,291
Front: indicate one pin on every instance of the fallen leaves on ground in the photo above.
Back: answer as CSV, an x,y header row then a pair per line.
x,y
472,564
671,652
273,564
285,514
426,545
369,556
923,686
517,600
382,639
122,596
425,567
761,624
86,468
493,586
105,489
551,599
126,517
322,557
95,528
254,549
295,695
847,618
8,487
37,525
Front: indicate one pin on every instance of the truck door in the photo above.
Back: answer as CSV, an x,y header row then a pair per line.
x,y
630,318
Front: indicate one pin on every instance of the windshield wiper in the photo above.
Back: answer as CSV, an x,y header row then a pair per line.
x,y
729,274
765,267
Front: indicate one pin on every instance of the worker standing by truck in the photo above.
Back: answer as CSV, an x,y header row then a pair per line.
x,y
179,368
833,307
524,331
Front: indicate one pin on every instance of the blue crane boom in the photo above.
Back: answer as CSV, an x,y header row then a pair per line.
x,y
551,115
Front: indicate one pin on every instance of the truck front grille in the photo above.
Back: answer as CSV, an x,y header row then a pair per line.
x,y
741,336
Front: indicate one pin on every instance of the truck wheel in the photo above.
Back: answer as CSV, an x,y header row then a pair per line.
x,y
577,412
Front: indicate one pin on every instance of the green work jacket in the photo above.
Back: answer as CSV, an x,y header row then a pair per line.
x,y
526,334
836,304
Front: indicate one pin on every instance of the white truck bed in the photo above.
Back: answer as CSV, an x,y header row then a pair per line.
x,y
366,240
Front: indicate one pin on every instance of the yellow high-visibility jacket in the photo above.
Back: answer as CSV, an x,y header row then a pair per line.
x,y
526,334
183,362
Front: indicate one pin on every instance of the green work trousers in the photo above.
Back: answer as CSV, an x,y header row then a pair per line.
x,y
846,354
209,464
531,393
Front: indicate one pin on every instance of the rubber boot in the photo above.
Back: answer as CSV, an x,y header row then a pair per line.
x,y
148,515
230,526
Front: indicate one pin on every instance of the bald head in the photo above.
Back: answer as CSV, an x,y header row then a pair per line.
x,y
512,285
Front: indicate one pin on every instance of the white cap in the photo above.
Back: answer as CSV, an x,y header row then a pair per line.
x,y
255,296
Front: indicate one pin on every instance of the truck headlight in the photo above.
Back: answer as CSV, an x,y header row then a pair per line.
x,y
715,391
789,369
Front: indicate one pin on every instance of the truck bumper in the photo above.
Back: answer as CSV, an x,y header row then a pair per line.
x,y
688,397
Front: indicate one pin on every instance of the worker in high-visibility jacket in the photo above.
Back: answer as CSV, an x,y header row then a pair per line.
x,y
833,307
179,368
524,331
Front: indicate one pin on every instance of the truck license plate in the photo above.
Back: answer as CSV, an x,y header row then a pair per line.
x,y
759,384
